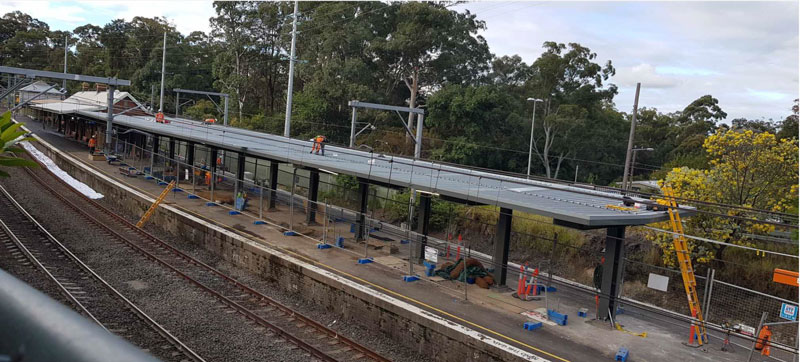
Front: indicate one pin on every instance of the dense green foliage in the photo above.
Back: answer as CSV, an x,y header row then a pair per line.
x,y
401,53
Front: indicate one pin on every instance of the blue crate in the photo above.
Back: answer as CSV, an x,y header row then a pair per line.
x,y
365,260
622,354
560,319
532,326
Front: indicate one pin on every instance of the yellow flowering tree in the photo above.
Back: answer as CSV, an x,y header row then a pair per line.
x,y
749,169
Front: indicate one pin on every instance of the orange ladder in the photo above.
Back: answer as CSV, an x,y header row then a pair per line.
x,y
153,207
687,272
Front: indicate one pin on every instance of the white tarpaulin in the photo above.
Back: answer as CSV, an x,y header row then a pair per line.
x,y
77,185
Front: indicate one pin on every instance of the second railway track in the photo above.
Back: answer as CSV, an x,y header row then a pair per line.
x,y
31,245
278,320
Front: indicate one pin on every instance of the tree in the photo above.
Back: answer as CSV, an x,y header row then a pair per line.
x,y
479,126
571,85
10,135
789,126
233,65
693,125
430,46
749,169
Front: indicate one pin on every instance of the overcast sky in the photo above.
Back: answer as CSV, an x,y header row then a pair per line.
x,y
743,53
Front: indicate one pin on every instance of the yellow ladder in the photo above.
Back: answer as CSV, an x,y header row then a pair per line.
x,y
153,207
685,262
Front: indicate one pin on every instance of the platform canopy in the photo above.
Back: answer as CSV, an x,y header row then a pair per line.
x,y
569,205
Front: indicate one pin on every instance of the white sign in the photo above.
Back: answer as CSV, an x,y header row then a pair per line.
x,y
658,282
789,311
431,254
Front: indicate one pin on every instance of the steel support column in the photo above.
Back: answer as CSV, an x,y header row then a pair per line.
x,y
171,159
109,117
313,190
154,153
423,220
502,240
363,198
273,184
612,271
213,163
239,175
190,155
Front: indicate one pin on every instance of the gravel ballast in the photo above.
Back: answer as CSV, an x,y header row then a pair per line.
x,y
196,318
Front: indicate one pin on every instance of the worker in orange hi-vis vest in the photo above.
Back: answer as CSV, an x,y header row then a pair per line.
x,y
762,343
92,144
319,144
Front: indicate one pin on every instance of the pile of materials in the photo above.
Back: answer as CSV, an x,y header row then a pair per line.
x,y
474,272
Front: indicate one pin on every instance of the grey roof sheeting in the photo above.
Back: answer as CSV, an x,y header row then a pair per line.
x,y
568,203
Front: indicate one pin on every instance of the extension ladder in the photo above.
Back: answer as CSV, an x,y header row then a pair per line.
x,y
687,272
153,207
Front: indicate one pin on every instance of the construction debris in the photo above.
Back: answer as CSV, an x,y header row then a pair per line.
x,y
475,272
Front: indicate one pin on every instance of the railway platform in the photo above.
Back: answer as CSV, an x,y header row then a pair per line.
x,y
490,312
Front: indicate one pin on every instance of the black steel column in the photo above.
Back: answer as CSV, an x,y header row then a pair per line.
x,y
612,271
423,219
190,155
239,174
213,155
502,240
313,190
172,153
363,197
273,184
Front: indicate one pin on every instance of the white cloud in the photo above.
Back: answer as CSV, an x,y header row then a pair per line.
x,y
645,74
46,11
678,50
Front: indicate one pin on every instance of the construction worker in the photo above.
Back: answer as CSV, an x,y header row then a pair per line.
x,y
762,343
92,144
319,144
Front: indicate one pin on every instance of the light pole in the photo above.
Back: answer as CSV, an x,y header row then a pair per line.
x,y
633,165
533,123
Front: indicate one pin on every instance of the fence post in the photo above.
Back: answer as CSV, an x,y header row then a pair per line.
x,y
550,265
707,307
758,330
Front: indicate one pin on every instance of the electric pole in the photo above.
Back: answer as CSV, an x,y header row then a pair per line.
x,y
163,66
66,40
288,124
630,138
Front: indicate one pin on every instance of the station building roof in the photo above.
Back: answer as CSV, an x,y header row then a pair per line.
x,y
577,206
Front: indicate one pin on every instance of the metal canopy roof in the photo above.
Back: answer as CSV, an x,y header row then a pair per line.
x,y
587,208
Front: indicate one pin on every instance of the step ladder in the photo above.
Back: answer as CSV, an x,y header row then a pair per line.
x,y
153,207
687,272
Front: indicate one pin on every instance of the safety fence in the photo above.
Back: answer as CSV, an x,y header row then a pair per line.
x,y
558,257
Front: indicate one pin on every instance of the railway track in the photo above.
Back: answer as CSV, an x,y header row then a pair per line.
x,y
279,321
30,245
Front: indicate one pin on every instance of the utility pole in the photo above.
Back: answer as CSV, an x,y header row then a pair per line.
x,y
288,124
630,138
152,95
66,39
533,124
163,67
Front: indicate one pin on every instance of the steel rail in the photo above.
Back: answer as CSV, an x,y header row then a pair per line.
x,y
243,310
63,249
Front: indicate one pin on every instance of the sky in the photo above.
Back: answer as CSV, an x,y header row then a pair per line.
x,y
743,53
